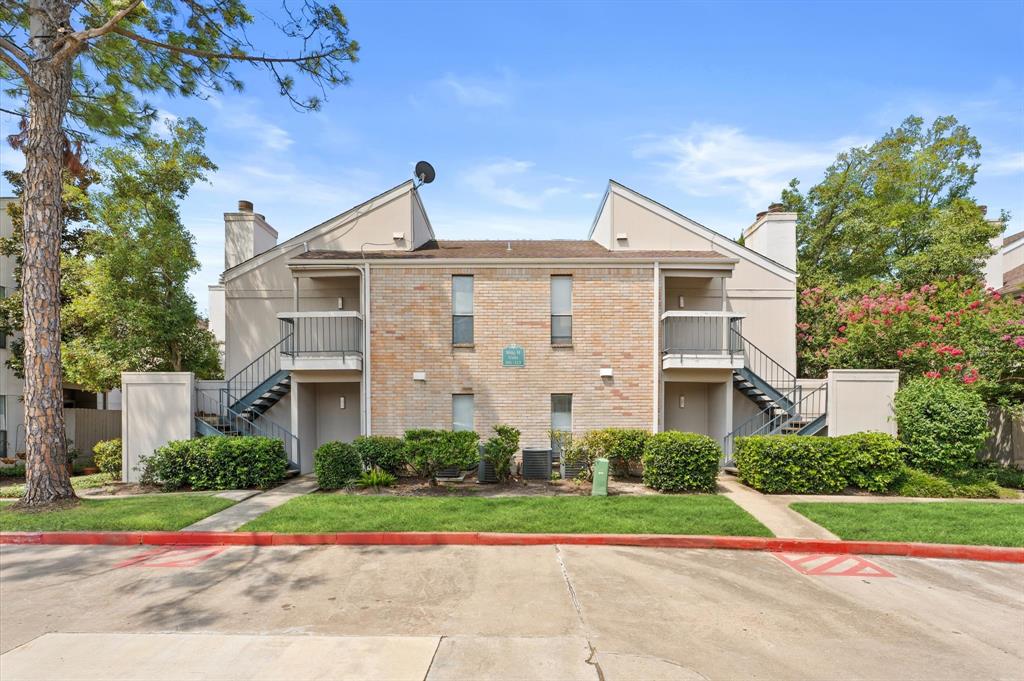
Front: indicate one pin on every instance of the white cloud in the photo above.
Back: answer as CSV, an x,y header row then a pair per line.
x,y
719,160
476,92
165,121
1002,163
494,181
238,114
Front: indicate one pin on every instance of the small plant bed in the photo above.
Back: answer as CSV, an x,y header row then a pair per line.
x,y
691,514
14,488
163,512
941,522
409,486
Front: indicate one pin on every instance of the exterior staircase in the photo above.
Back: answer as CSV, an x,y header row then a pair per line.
x,y
239,407
785,407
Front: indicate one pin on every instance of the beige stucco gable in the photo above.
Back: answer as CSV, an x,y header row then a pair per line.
x,y
760,288
394,220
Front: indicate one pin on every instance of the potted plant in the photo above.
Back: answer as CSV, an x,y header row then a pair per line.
x,y
497,455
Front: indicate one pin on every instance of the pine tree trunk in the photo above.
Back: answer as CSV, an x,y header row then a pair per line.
x,y
46,471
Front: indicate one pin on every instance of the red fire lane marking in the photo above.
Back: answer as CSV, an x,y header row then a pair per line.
x,y
832,565
173,557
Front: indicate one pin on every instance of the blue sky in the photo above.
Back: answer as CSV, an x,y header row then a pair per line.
x,y
526,110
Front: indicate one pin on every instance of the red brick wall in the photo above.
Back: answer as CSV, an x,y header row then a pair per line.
x,y
411,331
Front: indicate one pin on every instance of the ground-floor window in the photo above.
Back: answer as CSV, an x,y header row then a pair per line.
x,y
561,420
462,412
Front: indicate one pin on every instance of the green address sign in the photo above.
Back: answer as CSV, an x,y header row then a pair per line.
x,y
513,356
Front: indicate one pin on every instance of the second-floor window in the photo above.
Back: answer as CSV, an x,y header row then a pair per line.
x,y
561,310
462,310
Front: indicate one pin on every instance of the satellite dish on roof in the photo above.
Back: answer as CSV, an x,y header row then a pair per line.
x,y
424,173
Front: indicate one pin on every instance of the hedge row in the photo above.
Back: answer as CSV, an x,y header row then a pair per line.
x,y
426,451
217,462
798,464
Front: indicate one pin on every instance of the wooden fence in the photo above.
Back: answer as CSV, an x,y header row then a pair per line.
x,y
86,427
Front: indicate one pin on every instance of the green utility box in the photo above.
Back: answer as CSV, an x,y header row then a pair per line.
x,y
600,487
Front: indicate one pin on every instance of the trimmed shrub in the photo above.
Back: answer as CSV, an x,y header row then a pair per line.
x,y
217,462
336,464
678,462
625,446
942,424
870,461
381,451
106,454
429,451
798,464
916,483
501,449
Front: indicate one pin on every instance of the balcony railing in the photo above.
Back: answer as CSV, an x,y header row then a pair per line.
x,y
701,333
321,334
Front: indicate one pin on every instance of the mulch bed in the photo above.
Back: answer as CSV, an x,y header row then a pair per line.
x,y
469,487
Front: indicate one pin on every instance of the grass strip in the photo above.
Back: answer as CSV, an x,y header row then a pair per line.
x,y
690,514
151,512
946,522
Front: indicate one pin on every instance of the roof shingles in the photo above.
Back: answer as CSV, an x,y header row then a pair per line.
x,y
505,249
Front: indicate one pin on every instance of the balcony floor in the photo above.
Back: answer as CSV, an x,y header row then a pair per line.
x,y
682,360
325,362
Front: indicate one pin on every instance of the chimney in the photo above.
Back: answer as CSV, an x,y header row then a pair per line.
x,y
773,235
246,235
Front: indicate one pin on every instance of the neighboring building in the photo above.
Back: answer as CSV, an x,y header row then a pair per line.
x,y
1005,270
12,411
368,323
83,426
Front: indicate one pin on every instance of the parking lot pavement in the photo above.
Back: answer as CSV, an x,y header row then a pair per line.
x,y
504,612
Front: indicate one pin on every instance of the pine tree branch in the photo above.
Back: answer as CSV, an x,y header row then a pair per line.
x,y
205,54
74,41
8,58
11,47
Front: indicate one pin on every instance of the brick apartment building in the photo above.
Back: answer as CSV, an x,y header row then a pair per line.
x,y
368,323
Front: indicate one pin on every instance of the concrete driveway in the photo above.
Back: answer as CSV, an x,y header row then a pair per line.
x,y
464,612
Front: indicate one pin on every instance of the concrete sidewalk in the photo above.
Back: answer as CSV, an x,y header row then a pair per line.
x,y
772,511
233,517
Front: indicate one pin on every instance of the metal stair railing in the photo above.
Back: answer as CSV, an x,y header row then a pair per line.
x,y
230,422
807,412
258,373
758,362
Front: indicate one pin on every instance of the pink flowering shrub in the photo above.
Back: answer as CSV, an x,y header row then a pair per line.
x,y
949,329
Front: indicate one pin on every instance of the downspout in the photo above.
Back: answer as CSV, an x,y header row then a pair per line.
x,y
367,428
656,321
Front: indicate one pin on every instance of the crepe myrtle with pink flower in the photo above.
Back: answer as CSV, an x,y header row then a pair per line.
x,y
950,329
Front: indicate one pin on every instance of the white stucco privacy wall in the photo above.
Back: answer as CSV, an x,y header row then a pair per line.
x,y
861,400
157,407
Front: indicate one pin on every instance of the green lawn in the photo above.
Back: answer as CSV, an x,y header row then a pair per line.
x,y
17,490
575,515
151,512
946,522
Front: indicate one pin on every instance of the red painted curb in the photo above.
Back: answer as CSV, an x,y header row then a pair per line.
x,y
778,545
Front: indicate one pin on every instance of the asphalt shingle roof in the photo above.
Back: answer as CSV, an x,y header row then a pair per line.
x,y
505,248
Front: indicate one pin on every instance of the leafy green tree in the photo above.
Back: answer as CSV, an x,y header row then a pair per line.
x,y
134,311
72,255
898,210
75,70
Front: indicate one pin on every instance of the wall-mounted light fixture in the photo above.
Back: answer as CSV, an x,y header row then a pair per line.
x,y
419,375
606,372
341,402
682,401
